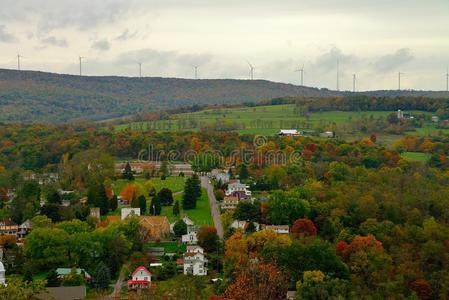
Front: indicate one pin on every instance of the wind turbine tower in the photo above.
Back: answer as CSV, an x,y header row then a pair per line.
x,y
399,80
18,60
140,69
301,74
81,62
353,82
196,71
338,75
251,68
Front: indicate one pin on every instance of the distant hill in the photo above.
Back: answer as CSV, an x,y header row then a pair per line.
x,y
30,96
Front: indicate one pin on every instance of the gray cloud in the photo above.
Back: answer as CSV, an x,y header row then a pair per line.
x,y
392,61
126,35
328,60
51,40
5,36
101,45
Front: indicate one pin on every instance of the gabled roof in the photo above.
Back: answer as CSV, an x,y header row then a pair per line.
x,y
140,268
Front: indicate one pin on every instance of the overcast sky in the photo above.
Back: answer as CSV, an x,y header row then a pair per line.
x,y
372,38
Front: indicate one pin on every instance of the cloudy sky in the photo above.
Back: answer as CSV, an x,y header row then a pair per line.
x,y
372,38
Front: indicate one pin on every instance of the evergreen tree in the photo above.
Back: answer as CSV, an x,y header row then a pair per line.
x,y
54,197
52,279
127,172
92,196
142,204
196,183
180,228
114,203
135,201
243,175
156,207
165,195
189,197
102,200
28,276
102,276
176,208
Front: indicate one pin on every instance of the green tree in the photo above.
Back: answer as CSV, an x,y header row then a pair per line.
x,y
165,196
142,204
114,203
127,172
180,228
102,276
156,207
247,211
192,191
102,200
53,279
176,208
27,276
243,174
54,197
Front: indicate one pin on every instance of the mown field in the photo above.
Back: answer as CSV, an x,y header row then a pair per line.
x,y
267,120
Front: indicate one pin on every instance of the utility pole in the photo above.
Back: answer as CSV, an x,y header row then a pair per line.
x,y
399,81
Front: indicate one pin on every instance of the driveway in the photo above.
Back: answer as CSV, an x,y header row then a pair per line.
x,y
213,205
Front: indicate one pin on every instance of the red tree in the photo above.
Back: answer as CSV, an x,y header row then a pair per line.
x,y
303,227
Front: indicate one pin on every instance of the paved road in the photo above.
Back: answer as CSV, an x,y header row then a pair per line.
x,y
213,205
117,288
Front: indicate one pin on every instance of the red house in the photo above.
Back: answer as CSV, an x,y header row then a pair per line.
x,y
141,279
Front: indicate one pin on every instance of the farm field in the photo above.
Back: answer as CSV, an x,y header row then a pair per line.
x,y
267,120
416,156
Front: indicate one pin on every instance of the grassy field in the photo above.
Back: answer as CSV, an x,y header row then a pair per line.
x,y
416,156
267,120
200,215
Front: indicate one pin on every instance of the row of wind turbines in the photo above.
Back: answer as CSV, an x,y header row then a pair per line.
x,y
300,70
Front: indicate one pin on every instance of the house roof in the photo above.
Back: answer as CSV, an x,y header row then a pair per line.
x,y
288,131
7,222
140,268
67,271
154,220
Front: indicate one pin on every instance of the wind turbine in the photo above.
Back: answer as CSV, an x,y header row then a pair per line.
x,y
353,82
196,71
18,60
251,68
338,75
81,61
140,69
301,74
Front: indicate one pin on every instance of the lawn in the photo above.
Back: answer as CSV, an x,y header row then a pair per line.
x,y
416,156
200,215
170,247
174,183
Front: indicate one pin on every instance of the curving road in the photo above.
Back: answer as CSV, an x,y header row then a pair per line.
x,y
213,205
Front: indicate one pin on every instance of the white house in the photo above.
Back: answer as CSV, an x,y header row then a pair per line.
x,y
195,262
191,237
222,177
243,225
2,274
237,187
141,278
129,211
289,132
230,202
281,229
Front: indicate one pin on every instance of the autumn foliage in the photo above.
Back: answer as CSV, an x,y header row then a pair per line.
x,y
303,227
